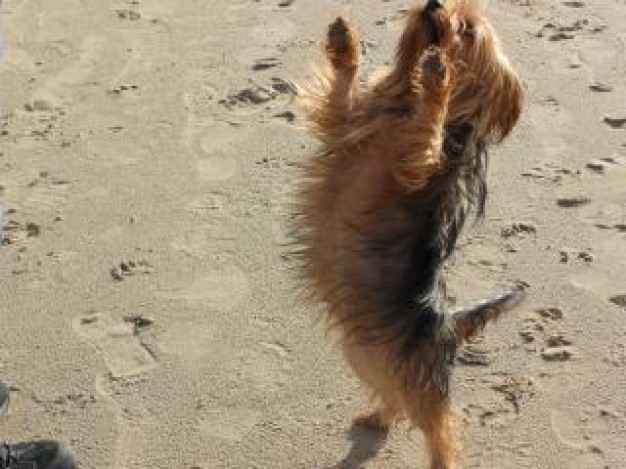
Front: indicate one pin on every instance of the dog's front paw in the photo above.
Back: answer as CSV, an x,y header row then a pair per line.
x,y
339,35
342,47
433,67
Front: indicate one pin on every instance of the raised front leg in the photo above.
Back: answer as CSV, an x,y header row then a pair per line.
x,y
426,26
343,51
420,150
330,108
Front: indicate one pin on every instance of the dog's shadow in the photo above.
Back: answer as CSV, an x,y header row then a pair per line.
x,y
366,444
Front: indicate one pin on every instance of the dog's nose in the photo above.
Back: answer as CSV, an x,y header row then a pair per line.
x,y
427,14
433,5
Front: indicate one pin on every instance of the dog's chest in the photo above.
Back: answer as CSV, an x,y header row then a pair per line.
x,y
363,235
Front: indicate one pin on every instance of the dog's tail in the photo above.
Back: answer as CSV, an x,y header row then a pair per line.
x,y
469,322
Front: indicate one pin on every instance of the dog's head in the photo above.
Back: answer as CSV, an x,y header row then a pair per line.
x,y
487,93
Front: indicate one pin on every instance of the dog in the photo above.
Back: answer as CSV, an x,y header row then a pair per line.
x,y
381,205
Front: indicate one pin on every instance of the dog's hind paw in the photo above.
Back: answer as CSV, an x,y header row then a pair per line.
x,y
342,47
374,421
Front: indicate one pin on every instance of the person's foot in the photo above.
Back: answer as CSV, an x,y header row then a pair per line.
x,y
4,397
36,455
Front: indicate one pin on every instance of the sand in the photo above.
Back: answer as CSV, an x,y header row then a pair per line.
x,y
147,153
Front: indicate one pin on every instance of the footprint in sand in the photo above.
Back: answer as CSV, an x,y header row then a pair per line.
x,y
134,421
93,51
225,288
215,164
542,332
230,424
44,197
571,428
256,98
265,368
504,405
218,146
79,71
13,232
117,342
128,15
559,32
201,102
550,172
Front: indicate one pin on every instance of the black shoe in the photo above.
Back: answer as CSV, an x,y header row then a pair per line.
x,y
36,455
4,397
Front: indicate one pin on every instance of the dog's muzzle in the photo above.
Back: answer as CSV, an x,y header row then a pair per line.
x,y
432,5
429,23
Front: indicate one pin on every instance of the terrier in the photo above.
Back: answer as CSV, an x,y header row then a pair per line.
x,y
401,168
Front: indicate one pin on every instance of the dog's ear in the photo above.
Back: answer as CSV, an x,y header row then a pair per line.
x,y
505,106
488,92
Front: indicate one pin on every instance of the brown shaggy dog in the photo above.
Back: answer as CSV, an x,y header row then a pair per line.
x,y
382,205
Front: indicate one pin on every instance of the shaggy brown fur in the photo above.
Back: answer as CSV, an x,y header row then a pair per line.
x,y
402,165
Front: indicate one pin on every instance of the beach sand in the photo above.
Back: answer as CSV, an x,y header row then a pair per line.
x,y
148,149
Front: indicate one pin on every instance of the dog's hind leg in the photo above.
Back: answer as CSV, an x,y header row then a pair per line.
x,y
442,437
430,411
370,365
380,416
